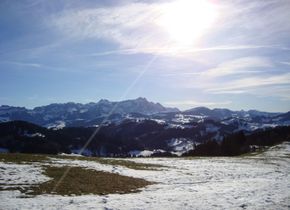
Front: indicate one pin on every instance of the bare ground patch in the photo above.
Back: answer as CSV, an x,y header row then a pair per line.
x,y
80,181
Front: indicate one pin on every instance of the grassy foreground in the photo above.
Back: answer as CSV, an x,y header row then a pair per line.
x,y
22,158
115,162
35,158
80,181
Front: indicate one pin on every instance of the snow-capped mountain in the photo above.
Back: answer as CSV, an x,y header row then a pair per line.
x,y
220,114
105,112
76,114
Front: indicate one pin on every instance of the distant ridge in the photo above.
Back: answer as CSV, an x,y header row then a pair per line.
x,y
68,112
104,111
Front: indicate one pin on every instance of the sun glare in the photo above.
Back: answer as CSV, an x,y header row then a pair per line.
x,y
186,20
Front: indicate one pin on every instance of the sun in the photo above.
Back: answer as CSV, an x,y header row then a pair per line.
x,y
186,20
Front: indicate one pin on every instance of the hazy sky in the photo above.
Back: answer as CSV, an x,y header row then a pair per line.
x,y
184,53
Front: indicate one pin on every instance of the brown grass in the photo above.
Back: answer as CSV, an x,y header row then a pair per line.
x,y
80,181
117,162
22,158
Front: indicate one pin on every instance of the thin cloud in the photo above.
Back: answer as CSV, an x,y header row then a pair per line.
x,y
242,65
169,51
253,82
125,25
285,63
24,64
27,65
276,91
256,75
193,103
134,27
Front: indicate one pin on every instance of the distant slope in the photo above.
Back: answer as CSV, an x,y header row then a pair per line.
x,y
219,113
138,137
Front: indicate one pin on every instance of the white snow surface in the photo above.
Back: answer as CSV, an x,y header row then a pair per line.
x,y
34,135
145,153
187,118
161,122
251,126
57,125
138,153
22,175
180,146
251,182
85,152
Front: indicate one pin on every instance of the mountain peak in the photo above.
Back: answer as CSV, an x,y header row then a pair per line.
x,y
141,99
199,109
104,101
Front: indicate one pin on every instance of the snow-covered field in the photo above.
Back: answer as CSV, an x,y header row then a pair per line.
x,y
249,182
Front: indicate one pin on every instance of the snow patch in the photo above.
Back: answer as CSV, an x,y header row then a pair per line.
x,y
31,135
180,146
57,125
85,152
162,122
20,174
144,153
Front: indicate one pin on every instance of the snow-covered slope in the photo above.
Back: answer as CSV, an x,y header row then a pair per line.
x,y
254,182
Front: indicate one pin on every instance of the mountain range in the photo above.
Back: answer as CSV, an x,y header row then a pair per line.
x,y
136,128
93,114
77,114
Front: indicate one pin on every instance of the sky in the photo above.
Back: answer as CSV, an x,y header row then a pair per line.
x,y
182,53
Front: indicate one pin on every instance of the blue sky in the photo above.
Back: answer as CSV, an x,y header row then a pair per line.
x,y
233,54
